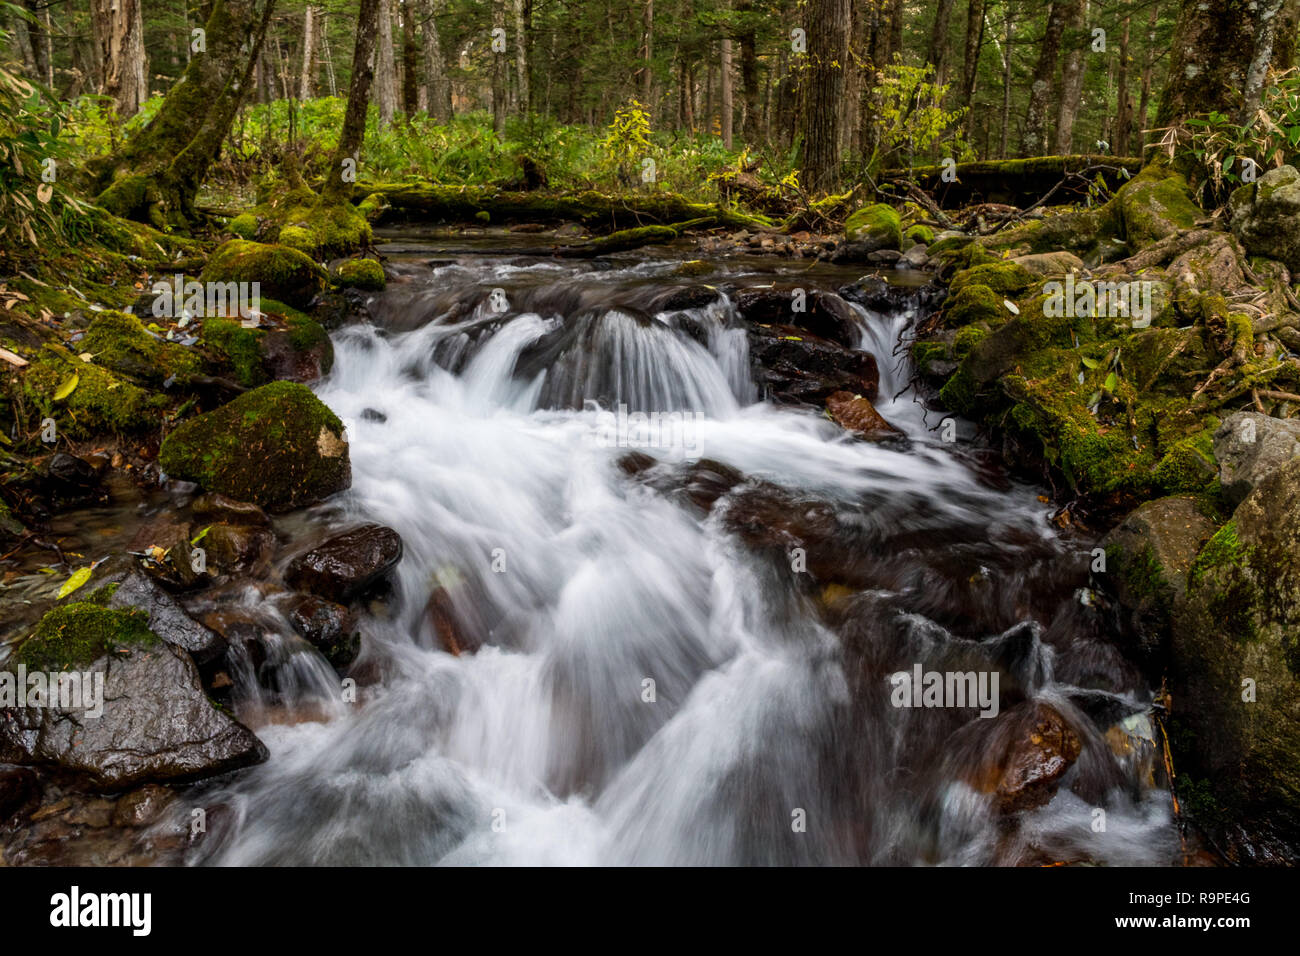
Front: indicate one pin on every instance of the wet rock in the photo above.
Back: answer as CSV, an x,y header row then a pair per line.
x,y
1265,216
157,724
1050,263
277,446
856,414
792,365
874,227
821,313
774,521
684,297
328,627
167,619
1148,557
914,258
285,274
348,564
884,256
218,507
1249,447
237,548
881,295
142,806
18,788
72,471
1028,751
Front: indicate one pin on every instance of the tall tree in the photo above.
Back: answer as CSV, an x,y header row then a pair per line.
x,y
971,50
338,184
118,27
939,39
1075,41
828,29
385,66
498,67
523,52
310,27
437,83
1041,87
728,106
748,39
410,64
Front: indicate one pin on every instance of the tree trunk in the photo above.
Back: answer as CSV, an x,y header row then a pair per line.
x,y
523,51
1008,29
727,105
118,27
39,40
645,75
1034,140
435,66
498,68
158,171
410,64
1269,14
307,80
1213,48
828,22
338,187
385,67
971,57
1148,66
939,40
1071,76
748,37
1124,102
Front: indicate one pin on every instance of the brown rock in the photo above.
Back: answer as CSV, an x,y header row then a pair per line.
x,y
856,414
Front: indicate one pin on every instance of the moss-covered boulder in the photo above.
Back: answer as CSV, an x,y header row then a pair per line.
x,y
278,446
139,713
1265,216
243,226
288,345
121,343
364,274
878,226
1155,204
85,400
322,230
285,274
1235,671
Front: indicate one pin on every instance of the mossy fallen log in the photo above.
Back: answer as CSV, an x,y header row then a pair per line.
x,y
428,202
1017,182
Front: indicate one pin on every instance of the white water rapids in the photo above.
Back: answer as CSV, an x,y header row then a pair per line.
x,y
760,741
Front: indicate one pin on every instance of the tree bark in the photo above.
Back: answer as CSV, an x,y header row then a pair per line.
x,y
1034,140
828,22
971,57
307,80
435,66
523,52
1123,135
939,40
118,27
1269,14
1213,48
1071,76
410,64
1148,66
385,66
728,107
337,188
645,75
498,69
1008,28
748,38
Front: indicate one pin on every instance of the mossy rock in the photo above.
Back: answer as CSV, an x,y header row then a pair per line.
x,y
878,224
322,231
974,304
920,233
299,350
100,403
285,274
278,446
365,274
75,635
121,342
243,226
1006,278
1155,204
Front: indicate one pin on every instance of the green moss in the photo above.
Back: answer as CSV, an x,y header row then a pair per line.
x,y
120,342
974,304
967,338
876,222
236,346
1003,277
920,233
76,635
278,446
1189,465
243,226
1223,549
322,230
361,274
1229,589
100,403
1155,204
283,273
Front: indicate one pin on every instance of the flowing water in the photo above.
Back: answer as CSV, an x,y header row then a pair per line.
x,y
652,687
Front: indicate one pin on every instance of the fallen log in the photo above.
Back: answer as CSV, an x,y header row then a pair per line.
x,y
1016,182
428,202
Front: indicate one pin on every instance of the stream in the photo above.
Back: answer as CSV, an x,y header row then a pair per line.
x,y
647,674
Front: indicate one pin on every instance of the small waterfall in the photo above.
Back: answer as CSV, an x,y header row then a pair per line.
x,y
645,679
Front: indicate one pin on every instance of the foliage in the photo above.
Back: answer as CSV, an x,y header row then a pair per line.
x,y
911,119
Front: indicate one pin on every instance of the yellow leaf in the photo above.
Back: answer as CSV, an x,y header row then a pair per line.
x,y
67,388
44,191
78,578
